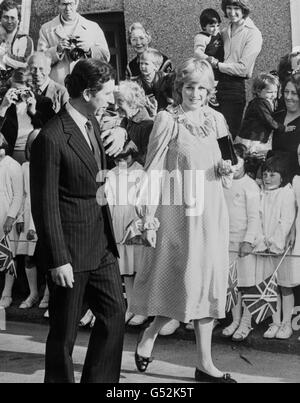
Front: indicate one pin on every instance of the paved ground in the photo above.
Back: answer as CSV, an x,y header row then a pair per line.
x,y
22,359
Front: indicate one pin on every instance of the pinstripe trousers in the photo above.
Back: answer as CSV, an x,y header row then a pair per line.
x,y
102,289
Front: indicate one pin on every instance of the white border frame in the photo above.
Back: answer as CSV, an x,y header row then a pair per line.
x,y
295,26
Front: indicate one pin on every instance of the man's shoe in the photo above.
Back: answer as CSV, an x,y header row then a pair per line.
x,y
201,376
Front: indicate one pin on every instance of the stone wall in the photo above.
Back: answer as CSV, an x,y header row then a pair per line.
x,y
173,23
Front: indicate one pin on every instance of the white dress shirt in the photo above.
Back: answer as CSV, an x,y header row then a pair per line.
x,y
80,121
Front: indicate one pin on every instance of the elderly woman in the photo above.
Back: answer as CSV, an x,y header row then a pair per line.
x,y
131,101
242,45
140,40
288,142
184,274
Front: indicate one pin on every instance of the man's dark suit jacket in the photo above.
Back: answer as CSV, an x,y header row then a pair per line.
x,y
9,124
71,226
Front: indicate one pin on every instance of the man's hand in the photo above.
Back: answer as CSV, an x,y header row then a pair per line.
x,y
31,104
245,249
83,43
7,227
9,98
115,139
63,45
63,276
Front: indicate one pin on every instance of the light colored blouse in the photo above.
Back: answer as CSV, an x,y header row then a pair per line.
x,y
241,49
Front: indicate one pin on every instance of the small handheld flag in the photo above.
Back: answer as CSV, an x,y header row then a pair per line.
x,y
232,290
7,264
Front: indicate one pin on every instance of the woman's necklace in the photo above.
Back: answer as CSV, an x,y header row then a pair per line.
x,y
197,123
200,128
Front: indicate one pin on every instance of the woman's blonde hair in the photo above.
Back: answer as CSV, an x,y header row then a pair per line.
x,y
185,74
132,93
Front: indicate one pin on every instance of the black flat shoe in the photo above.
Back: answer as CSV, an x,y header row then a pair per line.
x,y
201,376
141,362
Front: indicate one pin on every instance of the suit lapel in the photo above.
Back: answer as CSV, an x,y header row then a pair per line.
x,y
99,140
79,145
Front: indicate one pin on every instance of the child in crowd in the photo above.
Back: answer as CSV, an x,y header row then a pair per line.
x,y
208,44
289,276
152,80
27,240
121,189
258,123
11,198
243,207
131,103
277,213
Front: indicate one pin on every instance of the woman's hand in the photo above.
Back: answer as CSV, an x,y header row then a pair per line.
x,y
150,237
7,227
31,103
245,249
225,168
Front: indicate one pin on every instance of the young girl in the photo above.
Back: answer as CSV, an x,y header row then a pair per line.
x,y
258,123
11,198
27,240
289,276
121,188
243,207
277,213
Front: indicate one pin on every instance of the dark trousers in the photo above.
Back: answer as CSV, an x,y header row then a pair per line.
x,y
231,93
233,113
103,290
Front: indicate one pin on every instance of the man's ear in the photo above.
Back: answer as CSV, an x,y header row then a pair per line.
x,y
86,95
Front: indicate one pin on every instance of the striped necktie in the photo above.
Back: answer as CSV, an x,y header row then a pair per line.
x,y
95,146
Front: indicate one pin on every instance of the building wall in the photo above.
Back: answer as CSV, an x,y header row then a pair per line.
x,y
173,23
44,10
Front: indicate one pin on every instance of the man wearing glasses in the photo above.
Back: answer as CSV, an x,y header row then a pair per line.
x,y
19,45
70,37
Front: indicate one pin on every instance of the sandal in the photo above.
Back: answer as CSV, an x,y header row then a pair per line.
x,y
230,330
29,302
44,303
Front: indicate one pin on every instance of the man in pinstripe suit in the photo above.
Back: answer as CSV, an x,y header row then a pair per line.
x,y
76,242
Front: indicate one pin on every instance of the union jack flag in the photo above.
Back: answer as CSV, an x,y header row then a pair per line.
x,y
261,300
7,263
232,290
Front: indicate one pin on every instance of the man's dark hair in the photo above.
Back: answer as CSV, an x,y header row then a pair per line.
x,y
243,4
7,5
88,74
209,16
